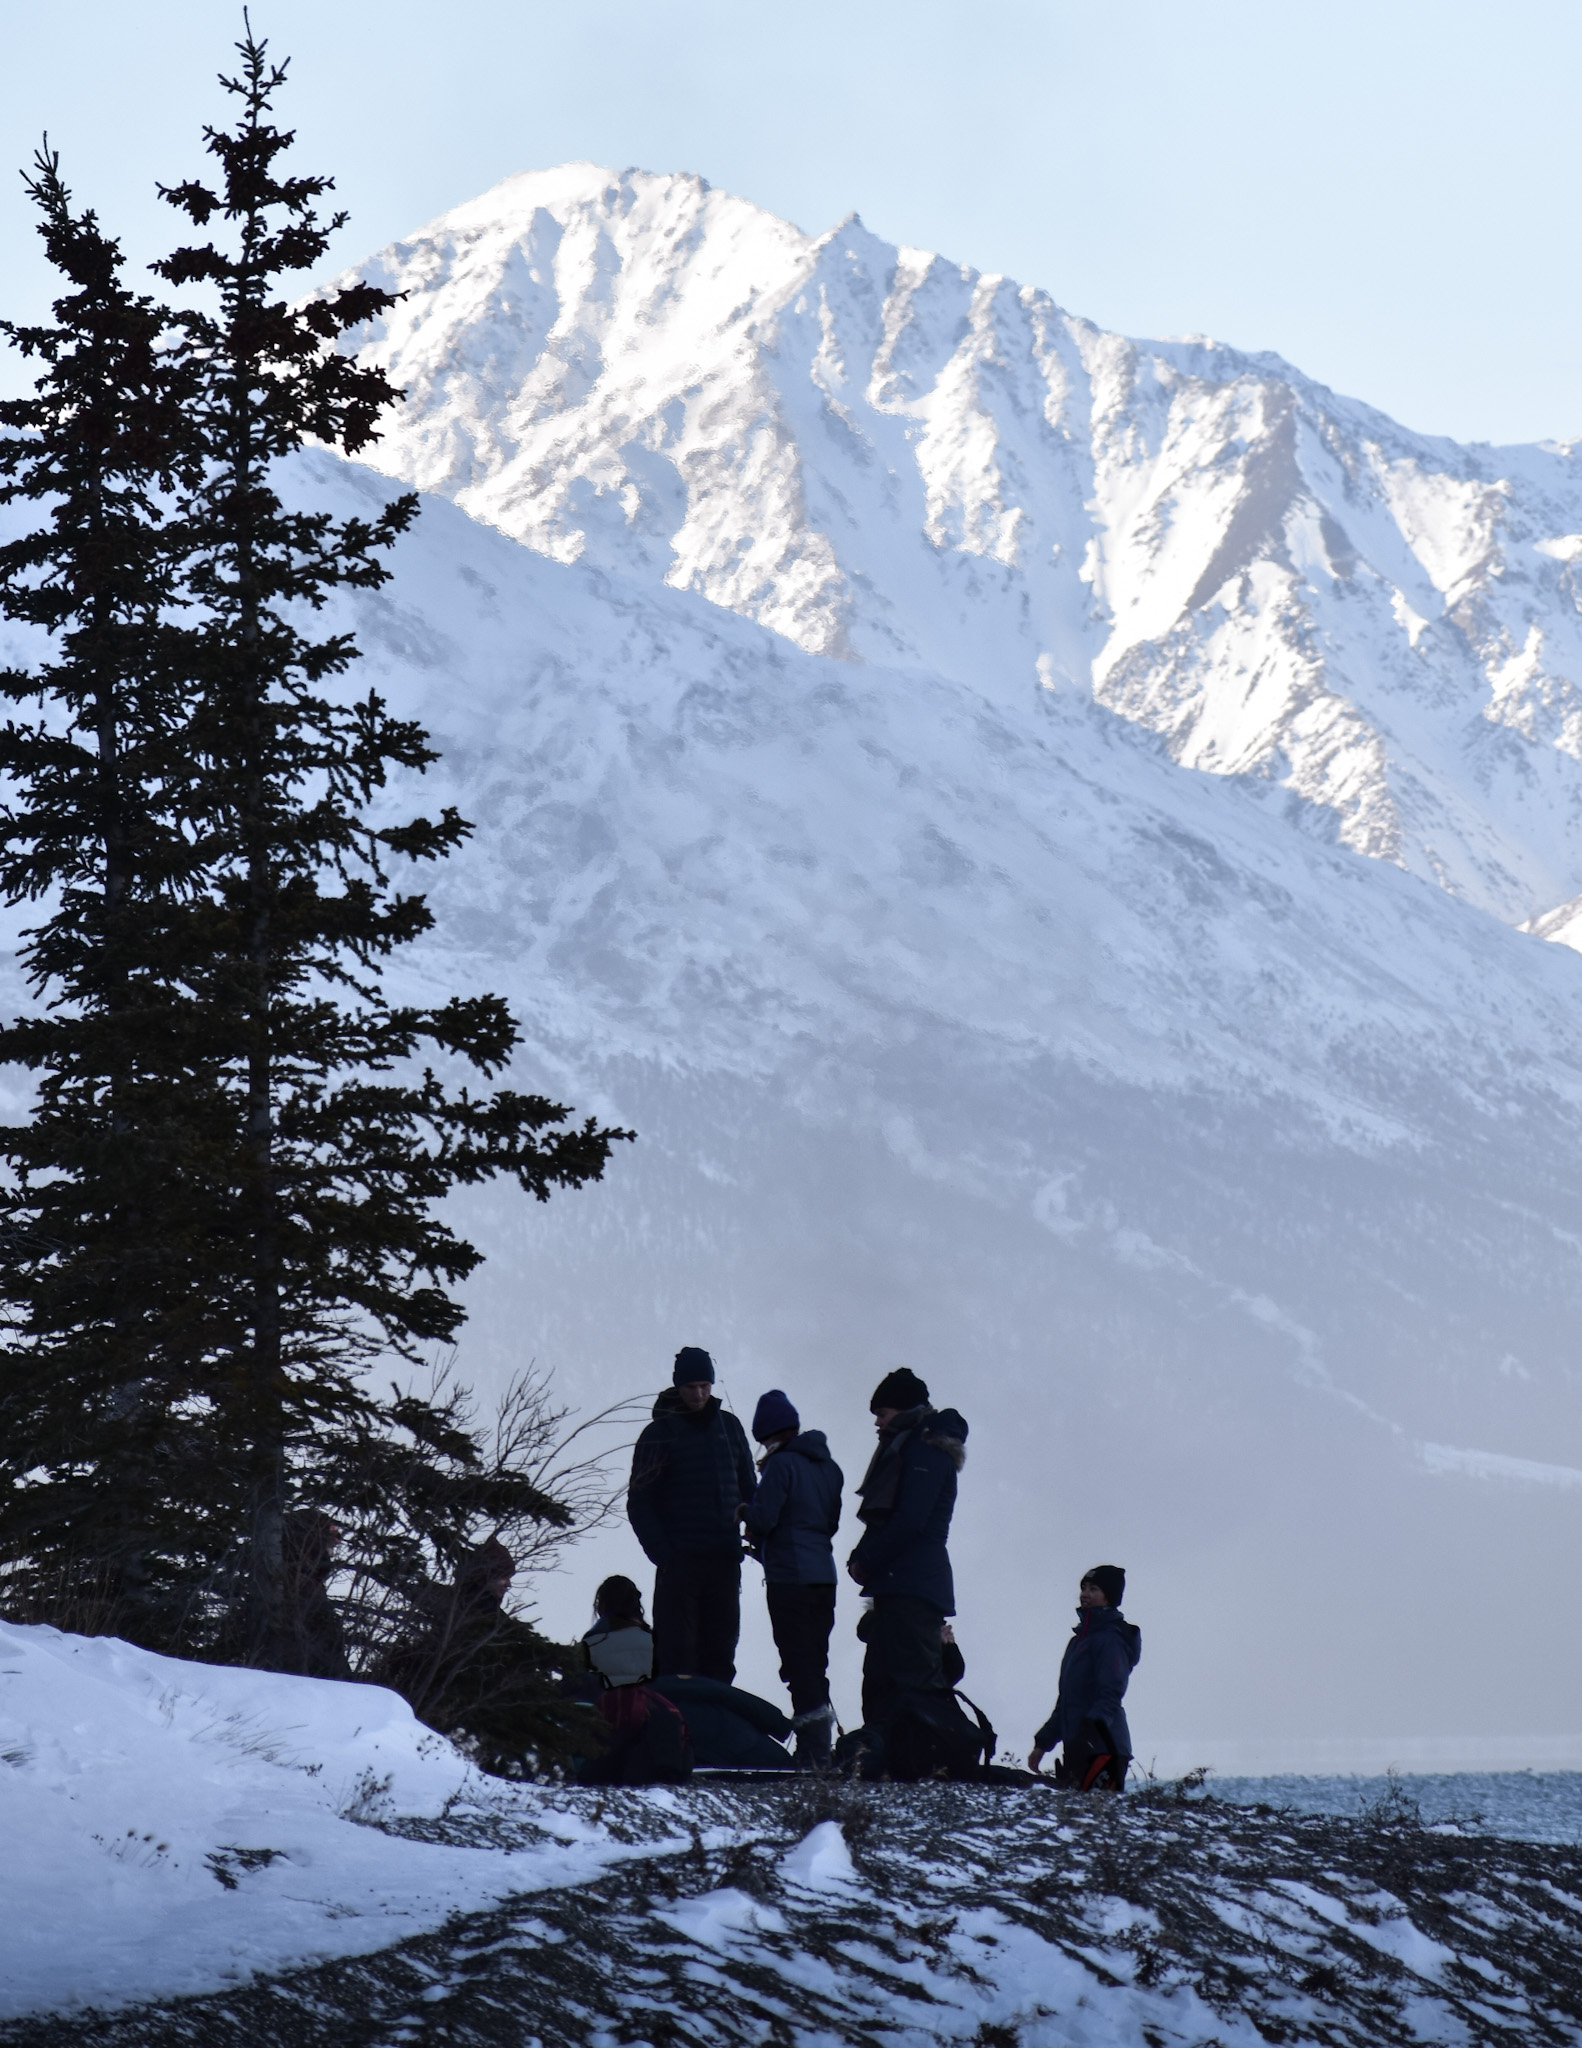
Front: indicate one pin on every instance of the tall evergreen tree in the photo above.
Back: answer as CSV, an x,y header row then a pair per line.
x,y
304,1129
105,1354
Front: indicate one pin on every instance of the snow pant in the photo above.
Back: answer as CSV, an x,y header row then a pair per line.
x,y
904,1654
802,1617
698,1615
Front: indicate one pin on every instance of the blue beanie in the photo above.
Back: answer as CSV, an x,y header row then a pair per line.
x,y
773,1414
692,1363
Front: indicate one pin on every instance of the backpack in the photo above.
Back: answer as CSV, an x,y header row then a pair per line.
x,y
649,1744
927,1736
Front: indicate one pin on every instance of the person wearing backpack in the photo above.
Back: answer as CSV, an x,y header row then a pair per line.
x,y
648,1741
692,1476
790,1521
619,1647
1089,1721
902,1565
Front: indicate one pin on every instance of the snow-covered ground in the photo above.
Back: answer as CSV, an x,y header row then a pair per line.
x,y
174,1827
176,1831
237,1860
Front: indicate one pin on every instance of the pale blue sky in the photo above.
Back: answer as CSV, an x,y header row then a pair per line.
x,y
1384,191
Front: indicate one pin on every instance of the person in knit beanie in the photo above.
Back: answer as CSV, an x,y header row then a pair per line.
x,y
908,1496
774,1417
1089,1719
790,1522
692,1476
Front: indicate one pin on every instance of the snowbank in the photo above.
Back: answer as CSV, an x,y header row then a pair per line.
x,y
174,1827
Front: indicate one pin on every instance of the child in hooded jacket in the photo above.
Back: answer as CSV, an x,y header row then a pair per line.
x,y
1089,1721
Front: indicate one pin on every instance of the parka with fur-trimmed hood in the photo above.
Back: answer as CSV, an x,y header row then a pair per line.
x,y
908,1496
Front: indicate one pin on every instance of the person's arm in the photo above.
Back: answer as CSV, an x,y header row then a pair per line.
x,y
1045,1740
746,1472
922,1479
768,1503
649,1460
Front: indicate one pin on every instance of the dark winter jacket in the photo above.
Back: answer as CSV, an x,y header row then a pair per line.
x,y
729,1727
908,1496
690,1475
796,1511
1099,1660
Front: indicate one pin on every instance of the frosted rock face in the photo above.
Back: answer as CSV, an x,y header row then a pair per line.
x,y
887,457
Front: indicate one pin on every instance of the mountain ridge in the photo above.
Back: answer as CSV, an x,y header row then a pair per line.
x,y
887,456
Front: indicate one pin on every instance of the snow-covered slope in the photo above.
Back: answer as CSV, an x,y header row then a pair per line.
x,y
1231,1182
172,1827
886,456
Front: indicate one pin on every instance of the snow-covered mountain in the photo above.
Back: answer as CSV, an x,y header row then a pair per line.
x,y
888,457
1227,1179
836,740
1030,828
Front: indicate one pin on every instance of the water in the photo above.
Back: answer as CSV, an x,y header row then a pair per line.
x,y
1528,1806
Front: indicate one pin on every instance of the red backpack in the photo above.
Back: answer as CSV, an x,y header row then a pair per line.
x,y
649,1744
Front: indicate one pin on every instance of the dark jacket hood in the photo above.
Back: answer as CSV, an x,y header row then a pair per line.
x,y
946,1430
812,1443
670,1403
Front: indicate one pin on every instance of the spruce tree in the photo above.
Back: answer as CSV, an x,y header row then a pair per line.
x,y
309,1129
100,1226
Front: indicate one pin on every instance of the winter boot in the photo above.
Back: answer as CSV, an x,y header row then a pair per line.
x,y
814,1737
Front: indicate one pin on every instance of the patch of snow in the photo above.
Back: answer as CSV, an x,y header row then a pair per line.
x,y
175,1827
820,1860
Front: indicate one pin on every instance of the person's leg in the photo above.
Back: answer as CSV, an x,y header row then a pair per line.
x,y
802,1617
813,1714
878,1693
676,1618
719,1617
904,1653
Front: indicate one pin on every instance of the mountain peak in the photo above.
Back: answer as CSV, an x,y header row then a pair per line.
x,y
889,457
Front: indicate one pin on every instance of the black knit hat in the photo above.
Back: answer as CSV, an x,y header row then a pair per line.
x,y
900,1389
692,1363
1110,1580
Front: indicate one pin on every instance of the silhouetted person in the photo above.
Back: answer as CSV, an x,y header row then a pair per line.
x,y
793,1516
1089,1721
620,1645
647,1739
310,1640
692,1476
908,1495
